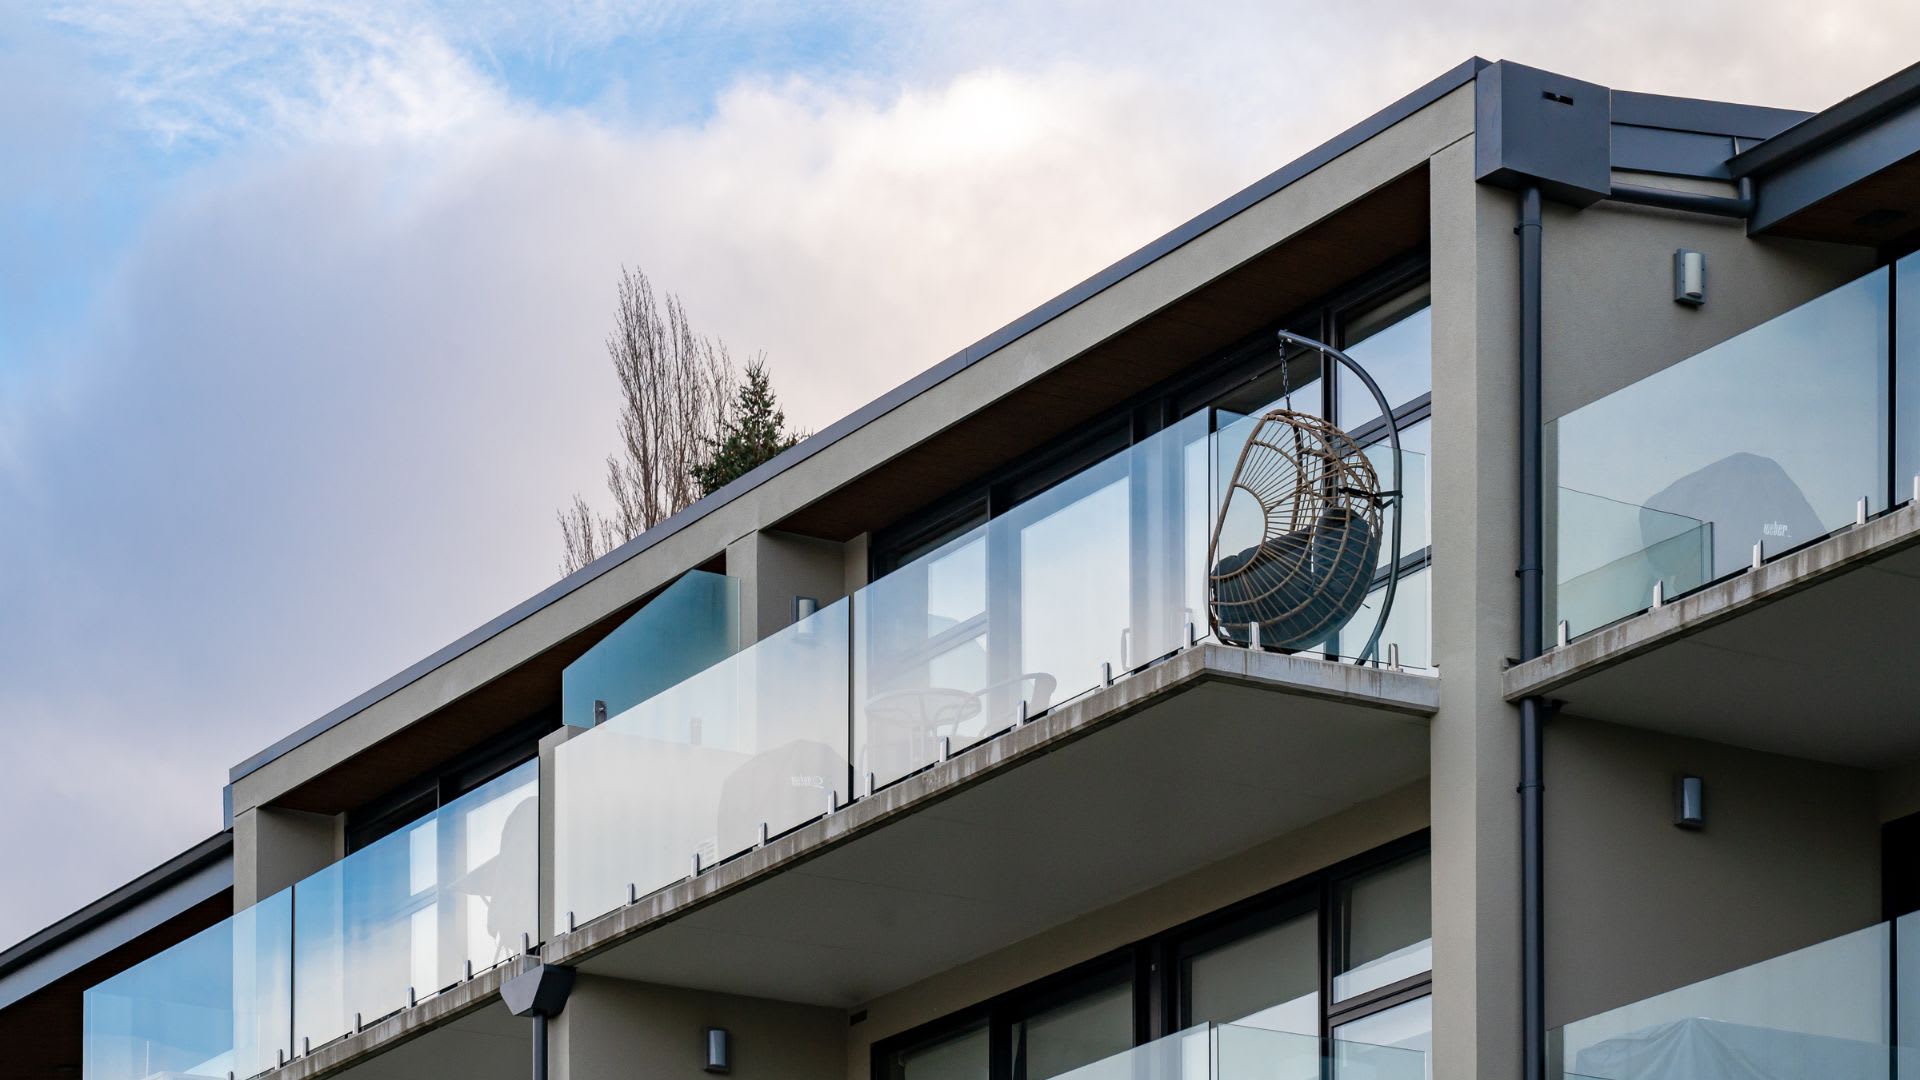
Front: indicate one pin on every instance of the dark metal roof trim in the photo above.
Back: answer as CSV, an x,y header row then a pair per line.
x,y
178,872
1831,124
1451,80
1702,116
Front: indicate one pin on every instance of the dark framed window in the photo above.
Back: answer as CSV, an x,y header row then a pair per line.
x,y
409,803
1343,954
1246,376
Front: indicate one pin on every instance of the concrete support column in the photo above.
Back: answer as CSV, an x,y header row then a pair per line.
x,y
274,848
856,562
773,568
612,1029
1476,751
550,918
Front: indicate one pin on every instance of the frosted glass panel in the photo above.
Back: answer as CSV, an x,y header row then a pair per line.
x,y
759,738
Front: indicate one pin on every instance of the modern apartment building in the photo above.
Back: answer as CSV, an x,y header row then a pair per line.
x,y
918,754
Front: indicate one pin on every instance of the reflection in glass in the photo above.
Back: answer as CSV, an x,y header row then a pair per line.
x,y
963,1057
216,1003
1394,342
1409,624
1105,568
697,769
1068,1036
1385,926
1268,979
1906,379
1254,1054
1771,436
1407,1026
689,627
1825,1008
1184,1055
1416,473
413,909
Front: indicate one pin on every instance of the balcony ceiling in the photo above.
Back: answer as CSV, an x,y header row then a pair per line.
x,y
1809,656
487,1044
1209,768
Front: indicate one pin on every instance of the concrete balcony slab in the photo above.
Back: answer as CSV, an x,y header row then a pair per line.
x,y
1811,654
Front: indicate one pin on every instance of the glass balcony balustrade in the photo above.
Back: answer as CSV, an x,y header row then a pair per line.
x,y
218,1003
1773,437
697,752
1094,577
419,910
413,913
686,628
1238,1052
1826,1012
695,771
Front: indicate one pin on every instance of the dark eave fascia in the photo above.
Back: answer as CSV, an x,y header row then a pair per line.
x,y
1675,136
1372,126
1702,116
183,869
1831,125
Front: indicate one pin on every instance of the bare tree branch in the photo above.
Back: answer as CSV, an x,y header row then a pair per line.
x,y
676,390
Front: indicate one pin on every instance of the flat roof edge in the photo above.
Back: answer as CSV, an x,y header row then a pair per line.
x,y
1432,91
1702,115
1832,124
155,882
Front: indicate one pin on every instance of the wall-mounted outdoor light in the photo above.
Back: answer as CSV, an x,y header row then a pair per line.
x,y
717,1061
803,608
1689,803
1689,277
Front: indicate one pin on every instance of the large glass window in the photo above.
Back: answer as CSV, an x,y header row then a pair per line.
x,y
1906,374
1394,342
958,1057
1266,979
1408,1025
1383,927
1262,968
1089,1027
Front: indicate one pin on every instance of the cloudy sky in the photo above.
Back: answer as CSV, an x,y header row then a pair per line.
x,y
302,303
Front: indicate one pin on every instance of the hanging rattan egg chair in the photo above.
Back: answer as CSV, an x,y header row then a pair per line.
x,y
1319,504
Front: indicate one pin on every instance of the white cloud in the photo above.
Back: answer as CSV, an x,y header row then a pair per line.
x,y
352,366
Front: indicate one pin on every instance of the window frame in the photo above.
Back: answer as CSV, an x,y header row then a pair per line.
x,y
1146,414
1158,967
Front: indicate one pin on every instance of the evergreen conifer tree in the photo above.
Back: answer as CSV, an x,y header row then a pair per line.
x,y
755,431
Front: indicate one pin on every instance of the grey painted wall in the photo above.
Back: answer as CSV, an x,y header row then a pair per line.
x,y
617,1030
1789,857
1607,280
274,848
774,568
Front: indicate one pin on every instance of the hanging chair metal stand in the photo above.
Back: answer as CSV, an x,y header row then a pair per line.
x,y
1302,578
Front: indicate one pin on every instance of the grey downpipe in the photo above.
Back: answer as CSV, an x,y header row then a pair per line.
x,y
1667,198
538,993
1533,961
540,1046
